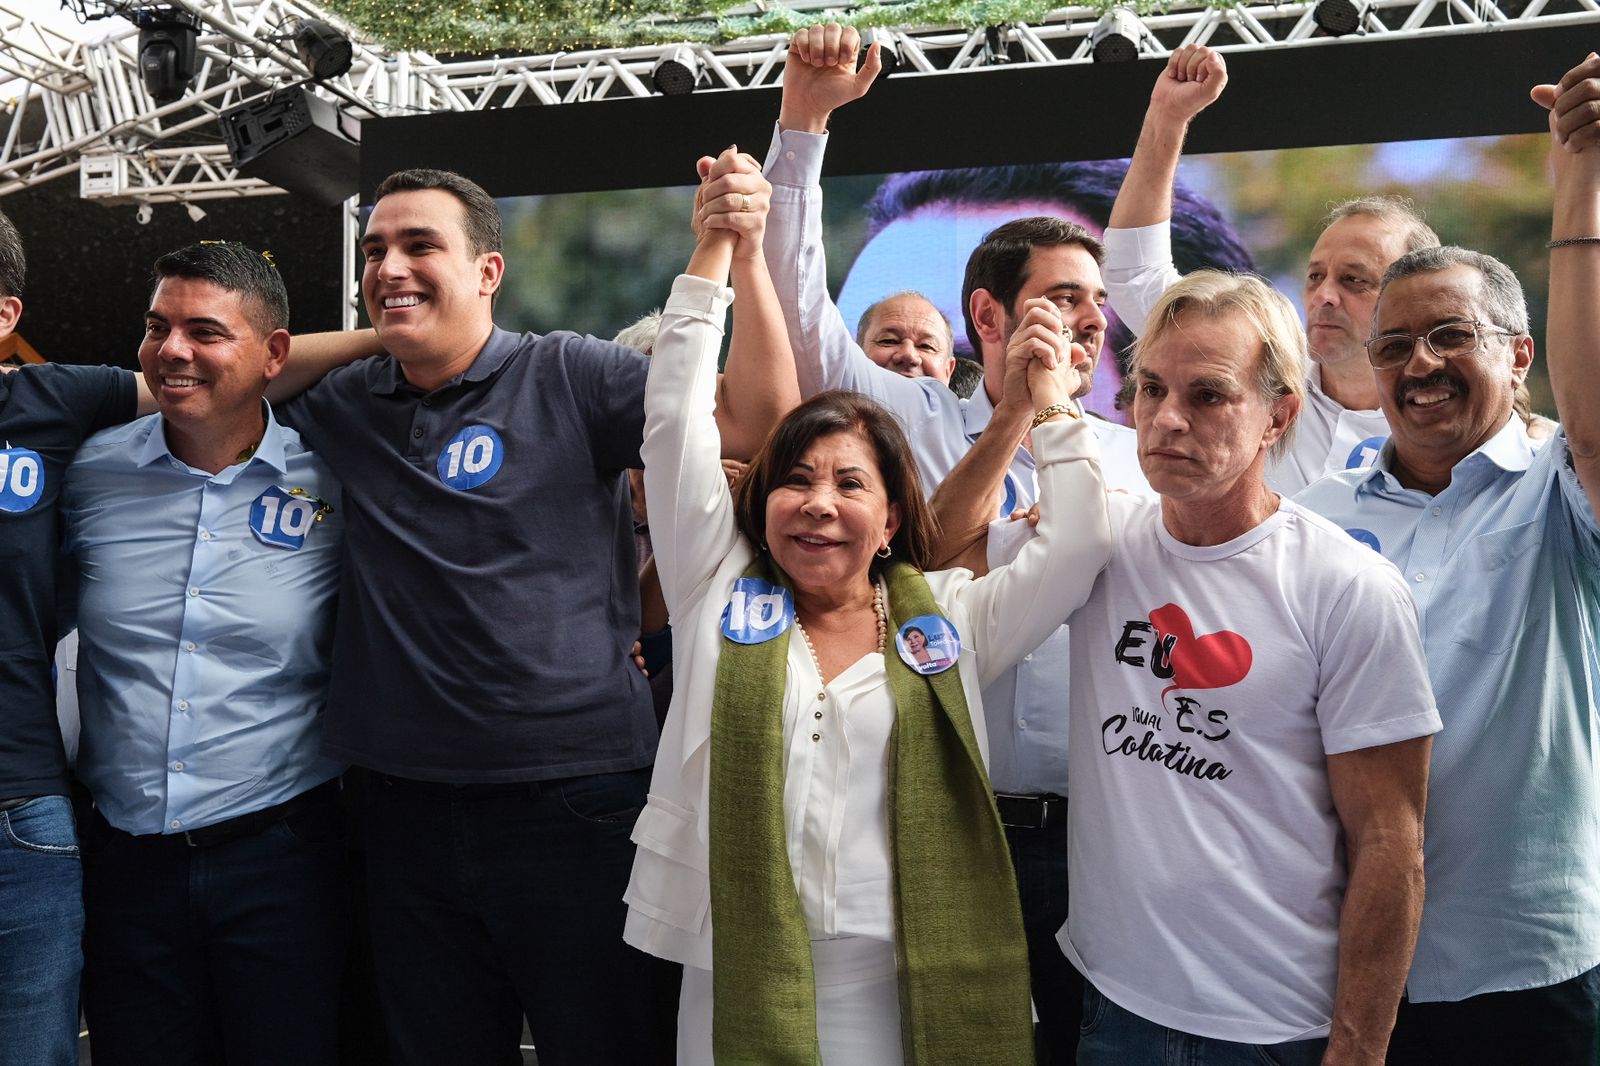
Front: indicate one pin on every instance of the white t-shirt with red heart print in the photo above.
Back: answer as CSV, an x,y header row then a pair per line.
x,y
1209,685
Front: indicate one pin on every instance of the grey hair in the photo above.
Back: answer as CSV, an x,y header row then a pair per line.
x,y
641,335
866,317
1397,211
1503,300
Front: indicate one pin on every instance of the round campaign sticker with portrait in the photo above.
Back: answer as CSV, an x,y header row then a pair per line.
x,y
928,644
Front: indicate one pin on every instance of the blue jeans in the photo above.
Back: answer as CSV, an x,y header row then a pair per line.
x,y
1040,859
232,953
489,903
1552,1026
41,929
1112,1036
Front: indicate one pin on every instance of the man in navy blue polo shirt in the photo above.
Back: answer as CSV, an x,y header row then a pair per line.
x,y
481,665
45,413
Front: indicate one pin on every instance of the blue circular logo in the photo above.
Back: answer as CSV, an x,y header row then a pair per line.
x,y
1367,537
1364,454
757,611
21,479
472,457
282,520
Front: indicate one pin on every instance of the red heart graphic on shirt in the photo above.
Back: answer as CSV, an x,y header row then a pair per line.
x,y
1215,660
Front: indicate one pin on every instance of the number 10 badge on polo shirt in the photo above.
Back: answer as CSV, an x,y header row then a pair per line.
x,y
471,457
21,479
282,518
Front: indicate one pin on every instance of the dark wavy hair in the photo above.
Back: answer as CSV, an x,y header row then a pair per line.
x,y
823,415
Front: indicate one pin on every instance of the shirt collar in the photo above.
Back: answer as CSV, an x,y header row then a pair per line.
x,y
153,448
491,357
1509,449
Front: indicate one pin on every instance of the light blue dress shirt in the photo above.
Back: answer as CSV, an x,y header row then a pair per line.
x,y
1505,568
206,624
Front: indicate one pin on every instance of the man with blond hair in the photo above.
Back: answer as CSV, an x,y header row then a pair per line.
x,y
1248,780
1341,424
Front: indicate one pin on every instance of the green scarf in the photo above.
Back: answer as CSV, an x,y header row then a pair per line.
x,y
962,956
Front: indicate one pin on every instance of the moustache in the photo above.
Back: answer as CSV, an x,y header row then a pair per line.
x,y
1436,380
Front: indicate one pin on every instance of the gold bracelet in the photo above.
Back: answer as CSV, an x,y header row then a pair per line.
x,y
1050,412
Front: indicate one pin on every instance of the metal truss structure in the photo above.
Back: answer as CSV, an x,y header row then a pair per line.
x,y
84,107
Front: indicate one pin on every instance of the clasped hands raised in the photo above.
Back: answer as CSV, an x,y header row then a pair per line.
x,y
732,201
1044,365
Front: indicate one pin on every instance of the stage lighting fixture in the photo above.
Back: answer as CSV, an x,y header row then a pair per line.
x,y
676,73
1115,38
144,214
167,41
324,50
196,213
888,51
297,141
1338,17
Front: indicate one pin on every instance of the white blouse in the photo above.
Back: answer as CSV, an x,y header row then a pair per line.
x,y
836,786
835,793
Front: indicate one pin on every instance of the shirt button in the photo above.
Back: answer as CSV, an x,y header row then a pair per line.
x,y
1437,511
177,766
822,695
1022,723
1028,658
788,155
819,714
205,534
417,433
1417,577
176,824
816,736
188,645
193,591
183,705
427,402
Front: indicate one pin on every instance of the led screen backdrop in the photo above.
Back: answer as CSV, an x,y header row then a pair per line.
x,y
595,261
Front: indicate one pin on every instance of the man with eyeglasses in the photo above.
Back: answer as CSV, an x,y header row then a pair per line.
x,y
1500,548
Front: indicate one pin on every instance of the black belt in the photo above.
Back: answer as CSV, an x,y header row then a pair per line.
x,y
250,824
1031,812
13,804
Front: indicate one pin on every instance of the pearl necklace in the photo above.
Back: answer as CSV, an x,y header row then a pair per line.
x,y
883,628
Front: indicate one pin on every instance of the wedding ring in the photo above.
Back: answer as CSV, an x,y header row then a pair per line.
x,y
744,203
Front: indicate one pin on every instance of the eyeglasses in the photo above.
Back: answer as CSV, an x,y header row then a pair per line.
x,y
1447,341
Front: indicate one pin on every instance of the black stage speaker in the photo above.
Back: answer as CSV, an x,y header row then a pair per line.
x,y
298,142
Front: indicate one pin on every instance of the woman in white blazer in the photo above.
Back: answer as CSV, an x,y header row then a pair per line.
x,y
819,787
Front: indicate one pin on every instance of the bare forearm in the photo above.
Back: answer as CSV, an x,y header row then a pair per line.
x,y
1572,344
967,500
1146,195
759,386
1377,936
311,355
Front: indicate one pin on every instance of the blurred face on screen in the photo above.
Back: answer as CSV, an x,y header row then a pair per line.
x,y
927,250
1342,281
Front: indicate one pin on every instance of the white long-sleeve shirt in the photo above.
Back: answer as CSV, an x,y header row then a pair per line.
x,y
833,795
